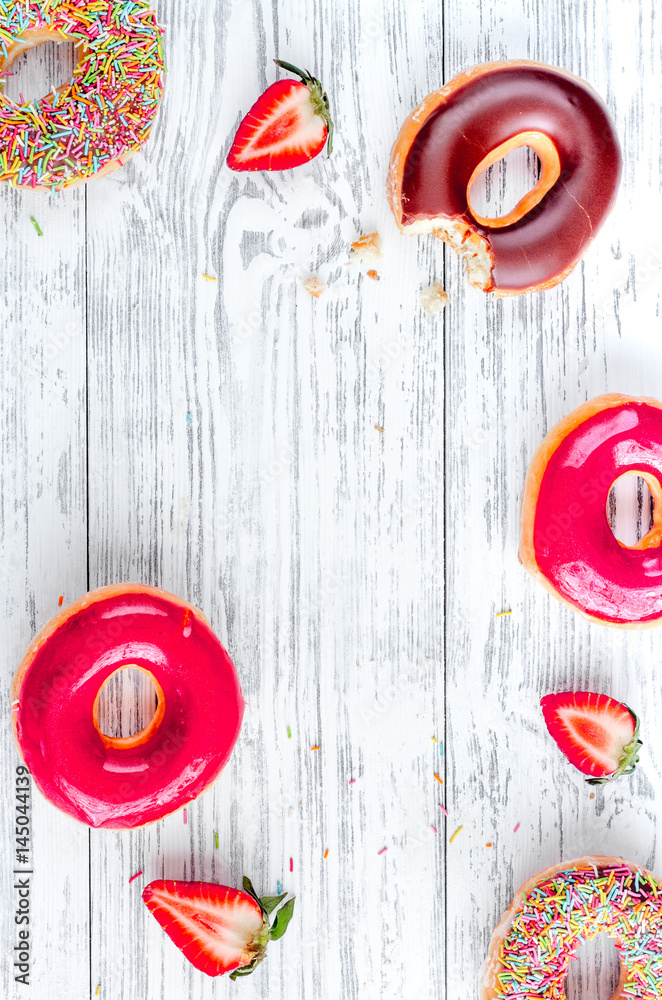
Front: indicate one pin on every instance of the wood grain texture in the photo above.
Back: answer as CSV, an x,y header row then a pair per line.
x,y
43,540
336,483
513,369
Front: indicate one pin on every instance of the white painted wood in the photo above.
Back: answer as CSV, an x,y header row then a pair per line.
x,y
43,543
513,369
222,436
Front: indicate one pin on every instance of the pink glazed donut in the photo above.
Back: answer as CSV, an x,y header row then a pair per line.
x,y
567,542
121,783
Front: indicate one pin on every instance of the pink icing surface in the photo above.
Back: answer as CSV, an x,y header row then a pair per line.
x,y
124,788
575,548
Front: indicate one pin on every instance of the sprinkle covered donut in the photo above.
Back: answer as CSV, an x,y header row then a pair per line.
x,y
98,119
567,542
568,904
125,782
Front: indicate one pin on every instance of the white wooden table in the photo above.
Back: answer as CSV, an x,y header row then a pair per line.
x,y
218,439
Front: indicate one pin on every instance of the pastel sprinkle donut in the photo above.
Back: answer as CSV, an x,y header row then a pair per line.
x,y
567,542
98,119
125,782
568,904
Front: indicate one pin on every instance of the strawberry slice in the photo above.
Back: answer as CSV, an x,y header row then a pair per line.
x,y
287,126
218,929
598,735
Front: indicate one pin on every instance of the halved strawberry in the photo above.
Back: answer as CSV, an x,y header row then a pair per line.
x,y
287,126
218,929
599,735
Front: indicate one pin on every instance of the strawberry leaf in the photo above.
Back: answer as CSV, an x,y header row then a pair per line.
x,y
282,920
248,887
245,970
269,903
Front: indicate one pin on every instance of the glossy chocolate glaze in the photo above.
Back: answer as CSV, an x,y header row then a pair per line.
x,y
485,111
107,787
575,547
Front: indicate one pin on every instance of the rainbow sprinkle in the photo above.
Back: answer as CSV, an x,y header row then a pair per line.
x,y
103,113
459,830
134,877
572,906
36,225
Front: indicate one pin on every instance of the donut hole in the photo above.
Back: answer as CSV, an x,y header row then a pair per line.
x,y
38,71
127,705
630,509
595,972
498,190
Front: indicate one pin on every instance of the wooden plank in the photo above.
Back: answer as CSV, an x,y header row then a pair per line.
x,y
515,368
311,539
43,538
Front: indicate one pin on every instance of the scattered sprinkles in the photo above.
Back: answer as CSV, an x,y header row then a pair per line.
x,y
216,841
438,778
383,851
459,830
517,828
326,853
36,225
314,748
291,864
353,781
61,600
576,904
279,888
433,828
98,990
434,739
134,877
443,810
209,277
502,614
289,733
489,844
378,428
104,112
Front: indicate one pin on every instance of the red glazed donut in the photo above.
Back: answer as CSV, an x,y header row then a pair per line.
x,y
567,542
124,783
456,133
555,911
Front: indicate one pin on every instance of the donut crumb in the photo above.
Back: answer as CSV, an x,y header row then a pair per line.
x,y
366,250
314,286
433,299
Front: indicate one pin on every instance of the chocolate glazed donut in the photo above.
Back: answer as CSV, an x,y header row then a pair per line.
x,y
459,131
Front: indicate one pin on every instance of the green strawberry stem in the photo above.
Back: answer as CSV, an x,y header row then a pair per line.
x,y
318,96
269,932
